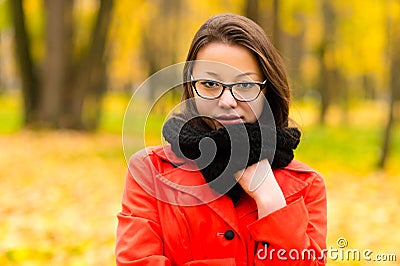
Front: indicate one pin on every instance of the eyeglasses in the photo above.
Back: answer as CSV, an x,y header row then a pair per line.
x,y
241,91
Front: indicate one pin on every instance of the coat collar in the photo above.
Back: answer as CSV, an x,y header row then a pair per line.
x,y
186,172
187,178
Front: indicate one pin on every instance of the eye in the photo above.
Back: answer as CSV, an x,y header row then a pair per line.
x,y
209,84
246,85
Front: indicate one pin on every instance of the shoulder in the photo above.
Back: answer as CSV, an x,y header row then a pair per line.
x,y
298,166
159,158
300,170
298,176
146,165
156,153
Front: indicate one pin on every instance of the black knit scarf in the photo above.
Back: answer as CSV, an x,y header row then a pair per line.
x,y
221,152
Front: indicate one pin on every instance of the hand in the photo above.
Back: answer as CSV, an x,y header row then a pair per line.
x,y
259,182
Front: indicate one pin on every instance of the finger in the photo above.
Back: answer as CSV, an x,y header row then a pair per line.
x,y
238,175
258,178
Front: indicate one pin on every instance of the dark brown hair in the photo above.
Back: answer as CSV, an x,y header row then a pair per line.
x,y
234,29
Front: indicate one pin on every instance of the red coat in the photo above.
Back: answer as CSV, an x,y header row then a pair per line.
x,y
155,232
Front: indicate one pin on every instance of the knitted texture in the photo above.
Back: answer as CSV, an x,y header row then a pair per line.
x,y
222,152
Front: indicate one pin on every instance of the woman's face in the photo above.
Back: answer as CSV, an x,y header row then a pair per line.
x,y
233,63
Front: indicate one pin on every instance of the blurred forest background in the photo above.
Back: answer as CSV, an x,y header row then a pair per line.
x,y
67,72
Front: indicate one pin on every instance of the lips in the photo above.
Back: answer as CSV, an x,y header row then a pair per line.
x,y
229,119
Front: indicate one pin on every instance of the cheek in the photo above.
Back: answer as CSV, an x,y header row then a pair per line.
x,y
255,109
203,106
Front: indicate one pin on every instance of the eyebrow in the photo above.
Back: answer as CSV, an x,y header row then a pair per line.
x,y
216,75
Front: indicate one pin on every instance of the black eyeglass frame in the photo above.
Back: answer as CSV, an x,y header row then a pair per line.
x,y
229,86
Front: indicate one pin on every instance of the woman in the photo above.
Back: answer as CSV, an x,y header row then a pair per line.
x,y
244,203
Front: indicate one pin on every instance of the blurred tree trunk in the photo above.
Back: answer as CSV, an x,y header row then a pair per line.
x,y
71,91
89,81
276,30
252,10
394,40
2,78
158,41
29,79
342,88
57,61
294,50
327,75
368,83
387,132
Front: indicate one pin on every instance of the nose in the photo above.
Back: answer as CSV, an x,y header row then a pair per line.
x,y
226,100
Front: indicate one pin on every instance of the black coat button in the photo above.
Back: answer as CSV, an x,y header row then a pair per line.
x,y
229,234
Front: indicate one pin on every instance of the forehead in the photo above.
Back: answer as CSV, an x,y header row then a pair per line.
x,y
226,61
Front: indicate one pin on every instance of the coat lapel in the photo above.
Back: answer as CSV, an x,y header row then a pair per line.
x,y
188,180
